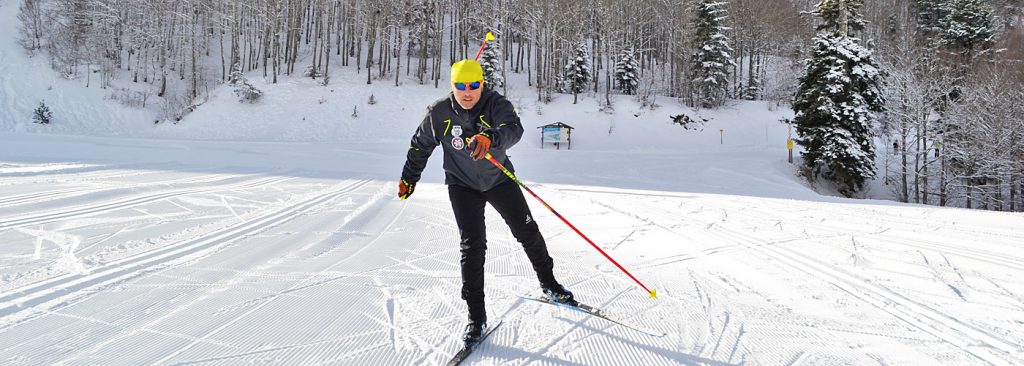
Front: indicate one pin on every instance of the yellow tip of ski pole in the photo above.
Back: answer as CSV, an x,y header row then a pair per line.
x,y
490,36
654,293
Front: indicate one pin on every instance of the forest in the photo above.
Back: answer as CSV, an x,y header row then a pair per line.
x,y
925,95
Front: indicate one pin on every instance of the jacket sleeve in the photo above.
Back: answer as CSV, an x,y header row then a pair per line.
x,y
420,148
508,130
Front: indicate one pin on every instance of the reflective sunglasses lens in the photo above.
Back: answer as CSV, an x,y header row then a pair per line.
x,y
474,86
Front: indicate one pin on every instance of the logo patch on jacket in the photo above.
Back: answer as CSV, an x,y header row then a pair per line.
x,y
457,131
458,143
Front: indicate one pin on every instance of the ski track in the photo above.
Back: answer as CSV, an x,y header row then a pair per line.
x,y
325,280
74,175
30,198
195,342
293,211
108,206
54,289
982,344
970,339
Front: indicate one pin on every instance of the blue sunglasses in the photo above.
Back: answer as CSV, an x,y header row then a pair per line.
x,y
472,86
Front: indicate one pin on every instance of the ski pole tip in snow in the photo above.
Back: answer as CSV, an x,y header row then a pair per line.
x,y
490,36
653,293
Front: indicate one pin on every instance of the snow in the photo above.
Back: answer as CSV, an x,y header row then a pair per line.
x,y
269,233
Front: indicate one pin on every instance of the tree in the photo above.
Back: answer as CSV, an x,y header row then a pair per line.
x,y
983,147
423,30
836,102
752,91
917,85
840,16
72,29
930,14
246,92
712,57
42,114
490,60
30,13
967,28
627,72
577,72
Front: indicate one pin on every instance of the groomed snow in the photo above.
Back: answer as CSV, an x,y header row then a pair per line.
x,y
270,234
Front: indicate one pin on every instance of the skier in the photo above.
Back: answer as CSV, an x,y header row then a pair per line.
x,y
469,123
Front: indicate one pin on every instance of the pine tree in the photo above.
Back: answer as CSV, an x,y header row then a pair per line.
x,y
247,93
42,114
930,14
577,71
840,16
627,78
713,56
968,27
836,102
490,60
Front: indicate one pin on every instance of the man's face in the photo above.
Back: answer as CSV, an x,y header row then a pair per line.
x,y
467,98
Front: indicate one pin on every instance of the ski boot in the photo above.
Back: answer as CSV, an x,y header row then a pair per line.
x,y
474,332
557,293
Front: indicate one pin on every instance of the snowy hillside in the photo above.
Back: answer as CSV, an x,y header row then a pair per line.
x,y
270,234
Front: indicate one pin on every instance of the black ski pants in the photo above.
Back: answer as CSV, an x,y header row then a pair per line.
x,y
507,198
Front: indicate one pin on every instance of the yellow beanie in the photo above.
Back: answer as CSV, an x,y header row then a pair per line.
x,y
467,71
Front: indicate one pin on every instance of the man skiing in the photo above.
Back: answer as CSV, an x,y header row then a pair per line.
x,y
470,123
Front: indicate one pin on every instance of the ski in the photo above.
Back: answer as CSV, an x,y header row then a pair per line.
x,y
584,308
466,350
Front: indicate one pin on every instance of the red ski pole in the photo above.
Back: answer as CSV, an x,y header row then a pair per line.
x,y
651,292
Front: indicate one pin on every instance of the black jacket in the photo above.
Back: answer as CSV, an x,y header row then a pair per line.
x,y
448,125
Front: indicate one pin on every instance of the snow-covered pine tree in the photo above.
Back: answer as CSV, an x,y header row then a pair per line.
x,y
967,27
42,114
712,57
930,14
837,99
577,72
490,60
840,16
627,72
247,93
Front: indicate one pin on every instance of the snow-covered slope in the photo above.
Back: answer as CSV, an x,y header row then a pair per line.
x,y
269,234
155,261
